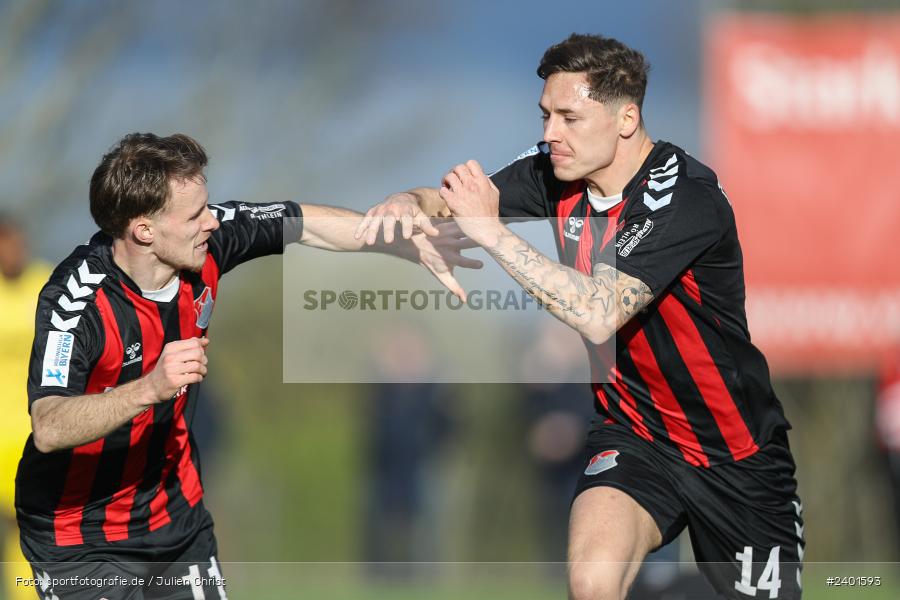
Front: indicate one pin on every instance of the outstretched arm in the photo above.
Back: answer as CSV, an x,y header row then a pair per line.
x,y
333,228
595,305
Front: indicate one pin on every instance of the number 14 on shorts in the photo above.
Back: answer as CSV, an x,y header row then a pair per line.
x,y
770,578
198,582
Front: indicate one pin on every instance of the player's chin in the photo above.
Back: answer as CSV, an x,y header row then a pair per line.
x,y
198,260
567,173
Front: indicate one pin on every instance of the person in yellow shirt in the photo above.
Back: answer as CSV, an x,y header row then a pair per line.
x,y
20,282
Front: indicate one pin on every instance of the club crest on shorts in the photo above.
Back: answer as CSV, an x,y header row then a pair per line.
x,y
203,307
604,461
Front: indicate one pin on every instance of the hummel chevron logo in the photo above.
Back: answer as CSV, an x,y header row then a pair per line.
x,y
671,171
657,186
86,276
76,290
43,580
227,213
63,325
654,204
69,306
798,529
668,164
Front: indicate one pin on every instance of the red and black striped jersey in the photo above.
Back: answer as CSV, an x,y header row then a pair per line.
x,y
683,372
94,331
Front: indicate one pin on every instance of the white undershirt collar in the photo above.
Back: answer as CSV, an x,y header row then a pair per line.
x,y
165,293
603,203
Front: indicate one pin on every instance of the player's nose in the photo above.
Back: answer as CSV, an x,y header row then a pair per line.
x,y
212,223
551,129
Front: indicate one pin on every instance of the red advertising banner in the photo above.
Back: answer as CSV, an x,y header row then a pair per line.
x,y
803,128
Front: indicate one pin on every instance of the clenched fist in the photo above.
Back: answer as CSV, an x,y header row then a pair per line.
x,y
181,363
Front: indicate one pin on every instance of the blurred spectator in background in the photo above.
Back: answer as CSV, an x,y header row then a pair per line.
x,y
408,427
559,408
887,422
209,428
559,415
20,282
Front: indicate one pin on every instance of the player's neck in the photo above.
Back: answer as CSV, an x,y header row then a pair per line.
x,y
630,155
139,263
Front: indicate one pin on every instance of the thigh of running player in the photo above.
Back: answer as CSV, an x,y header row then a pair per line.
x,y
624,509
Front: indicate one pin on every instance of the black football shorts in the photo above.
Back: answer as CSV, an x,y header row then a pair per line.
x,y
744,518
176,562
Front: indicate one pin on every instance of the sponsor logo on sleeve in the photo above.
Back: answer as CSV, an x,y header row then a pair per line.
x,y
57,356
530,152
267,211
631,238
58,352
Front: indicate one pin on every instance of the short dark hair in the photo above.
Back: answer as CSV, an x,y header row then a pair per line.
x,y
132,179
614,71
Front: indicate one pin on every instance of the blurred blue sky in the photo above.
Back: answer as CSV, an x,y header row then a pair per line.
x,y
338,102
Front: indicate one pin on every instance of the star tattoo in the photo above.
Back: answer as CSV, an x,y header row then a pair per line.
x,y
531,256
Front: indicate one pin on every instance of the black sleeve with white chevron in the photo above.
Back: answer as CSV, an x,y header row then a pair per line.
x,y
247,231
678,216
69,336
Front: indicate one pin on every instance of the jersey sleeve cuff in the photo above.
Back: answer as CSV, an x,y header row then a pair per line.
x,y
44,392
642,276
293,224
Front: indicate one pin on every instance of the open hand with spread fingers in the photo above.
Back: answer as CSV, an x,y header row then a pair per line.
x,y
442,252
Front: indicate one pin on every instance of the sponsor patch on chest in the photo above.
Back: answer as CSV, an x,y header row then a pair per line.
x,y
203,307
604,461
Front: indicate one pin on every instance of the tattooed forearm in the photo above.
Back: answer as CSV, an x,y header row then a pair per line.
x,y
532,283
530,255
602,292
577,282
632,295
595,306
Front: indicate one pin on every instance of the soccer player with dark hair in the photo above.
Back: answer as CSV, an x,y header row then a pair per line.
x,y
108,487
689,432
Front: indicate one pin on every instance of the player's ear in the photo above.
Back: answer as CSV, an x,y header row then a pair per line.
x,y
141,230
629,119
